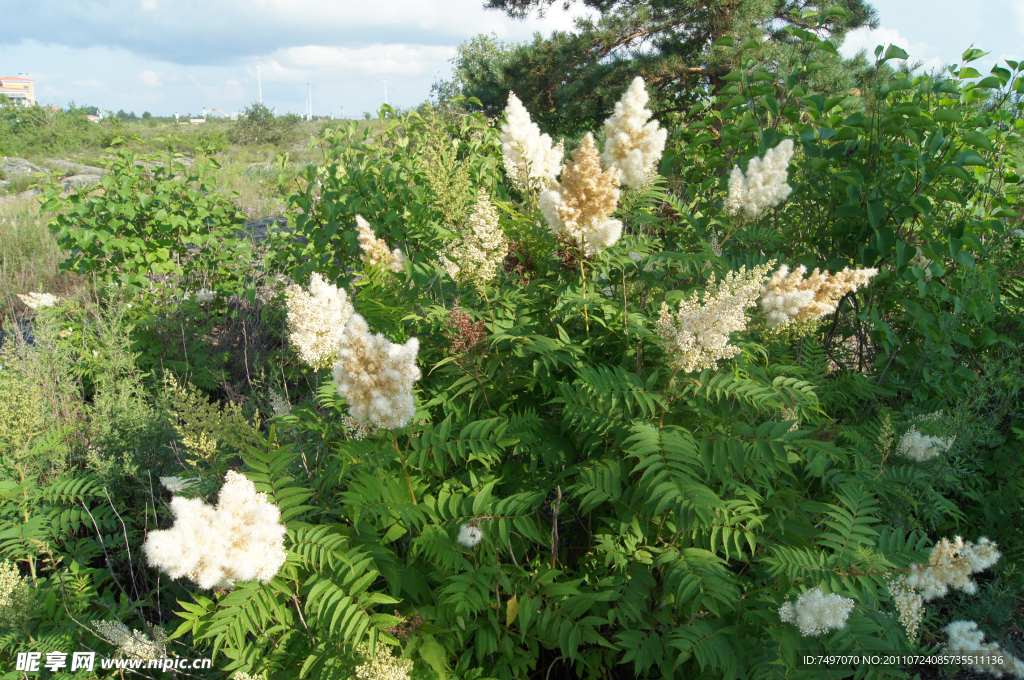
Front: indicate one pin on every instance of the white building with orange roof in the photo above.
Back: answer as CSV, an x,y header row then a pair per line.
x,y
18,89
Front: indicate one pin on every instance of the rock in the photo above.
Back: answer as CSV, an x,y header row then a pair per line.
x,y
80,180
76,168
19,166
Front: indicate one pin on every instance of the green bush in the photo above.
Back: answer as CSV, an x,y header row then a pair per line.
x,y
167,222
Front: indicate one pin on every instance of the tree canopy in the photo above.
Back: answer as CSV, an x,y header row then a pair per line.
x,y
573,79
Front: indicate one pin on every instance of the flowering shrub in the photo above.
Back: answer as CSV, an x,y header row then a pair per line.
x,y
614,459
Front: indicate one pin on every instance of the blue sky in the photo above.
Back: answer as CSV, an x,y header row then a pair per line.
x,y
168,56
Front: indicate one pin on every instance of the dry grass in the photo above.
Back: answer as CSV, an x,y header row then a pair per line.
x,y
29,257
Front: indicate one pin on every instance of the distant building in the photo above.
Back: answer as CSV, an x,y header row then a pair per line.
x,y
18,89
91,118
196,121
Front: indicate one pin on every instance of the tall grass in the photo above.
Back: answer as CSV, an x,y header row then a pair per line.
x,y
29,256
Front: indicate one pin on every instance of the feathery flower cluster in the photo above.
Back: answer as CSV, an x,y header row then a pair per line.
x,y
634,142
375,250
909,603
530,160
203,296
921,447
242,675
17,597
316,321
375,376
279,404
966,640
470,535
919,260
479,250
579,207
241,539
764,185
133,644
789,297
35,300
951,565
816,613
698,335
383,665
177,484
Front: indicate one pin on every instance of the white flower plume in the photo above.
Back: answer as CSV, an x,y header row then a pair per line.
x,y
316,321
241,539
697,336
764,185
634,142
816,613
376,376
530,159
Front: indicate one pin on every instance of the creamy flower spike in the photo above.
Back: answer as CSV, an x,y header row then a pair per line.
x,y
36,300
530,159
763,186
921,447
816,613
316,321
241,539
474,257
375,250
965,640
950,566
789,297
634,142
580,206
133,644
376,376
697,336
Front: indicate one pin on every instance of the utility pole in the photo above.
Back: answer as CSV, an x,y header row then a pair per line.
x,y
259,79
385,90
310,101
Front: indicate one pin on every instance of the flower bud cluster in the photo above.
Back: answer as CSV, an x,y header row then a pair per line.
x,y
316,321
241,539
530,159
764,185
383,665
579,207
951,565
133,644
17,596
697,336
966,640
375,250
921,447
634,142
816,613
474,257
789,297
909,603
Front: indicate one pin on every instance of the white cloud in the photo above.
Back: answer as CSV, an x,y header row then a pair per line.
x,y
408,60
149,5
91,82
150,78
867,38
